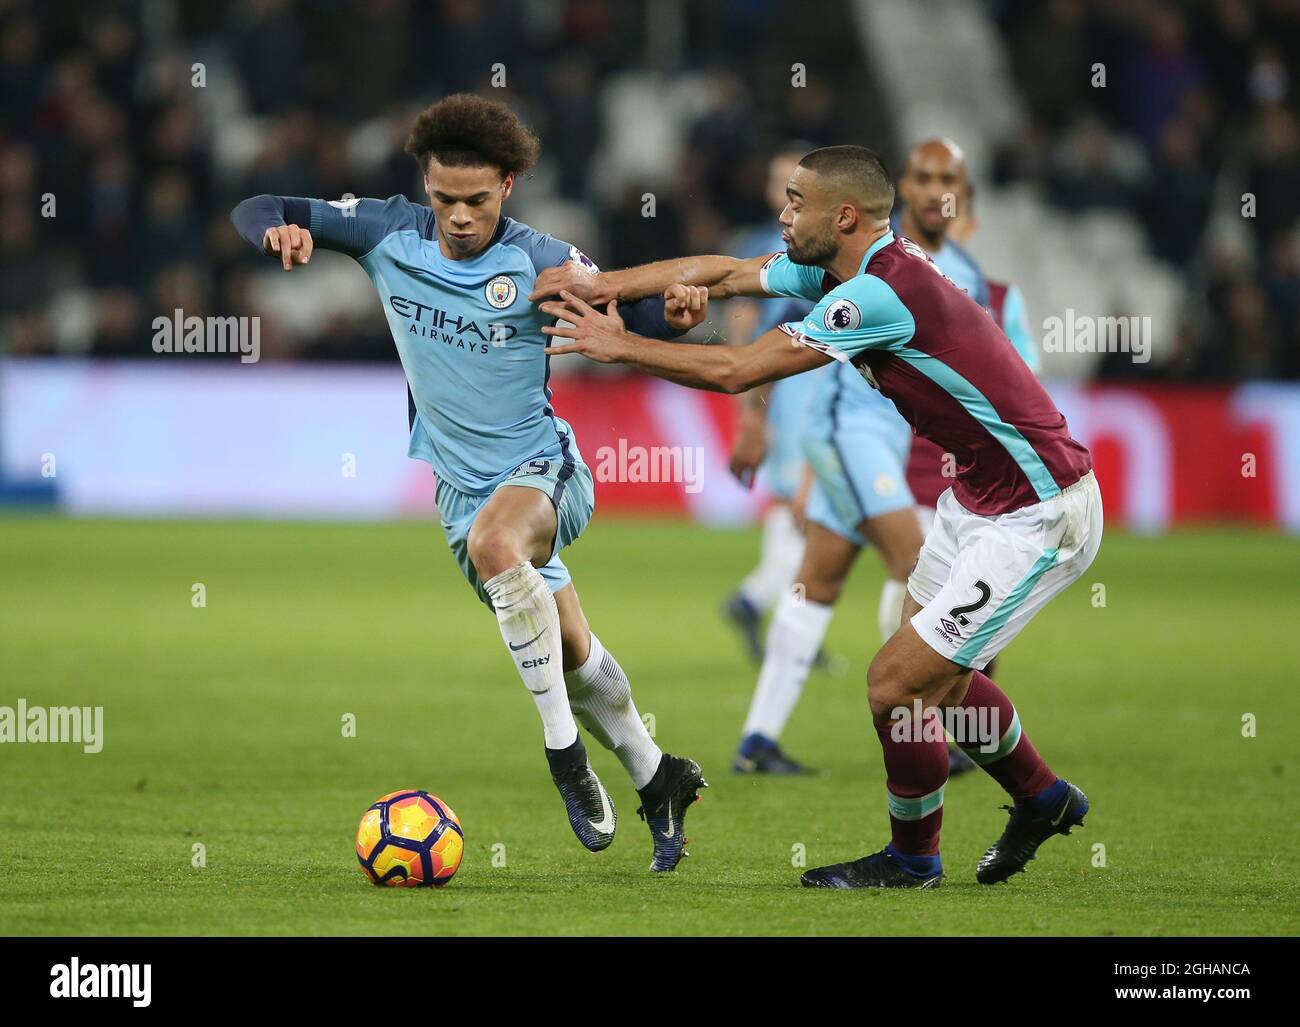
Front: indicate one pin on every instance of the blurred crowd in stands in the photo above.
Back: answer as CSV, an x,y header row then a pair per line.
x,y
103,113
138,125
1184,113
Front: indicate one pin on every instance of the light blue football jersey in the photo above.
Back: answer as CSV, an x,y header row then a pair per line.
x,y
468,338
1015,322
790,398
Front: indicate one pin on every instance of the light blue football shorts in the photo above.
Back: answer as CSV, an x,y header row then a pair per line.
x,y
860,471
567,482
786,419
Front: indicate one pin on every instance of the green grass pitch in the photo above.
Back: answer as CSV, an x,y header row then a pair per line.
x,y
223,726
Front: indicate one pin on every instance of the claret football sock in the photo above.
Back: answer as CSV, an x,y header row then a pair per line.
x,y
796,634
601,698
1006,754
916,770
530,627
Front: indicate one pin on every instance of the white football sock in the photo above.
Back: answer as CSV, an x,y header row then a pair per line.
x,y
890,614
793,639
779,557
601,698
530,626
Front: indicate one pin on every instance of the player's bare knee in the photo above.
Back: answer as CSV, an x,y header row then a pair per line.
x,y
821,583
822,590
891,683
494,550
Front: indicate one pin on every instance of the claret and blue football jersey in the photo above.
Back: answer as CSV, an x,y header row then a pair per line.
x,y
949,369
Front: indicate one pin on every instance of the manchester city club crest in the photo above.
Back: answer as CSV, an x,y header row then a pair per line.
x,y
501,291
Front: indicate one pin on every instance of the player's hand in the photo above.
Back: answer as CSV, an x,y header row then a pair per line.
x,y
571,277
685,306
597,336
290,243
750,448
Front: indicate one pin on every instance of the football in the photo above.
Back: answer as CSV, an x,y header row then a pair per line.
x,y
410,839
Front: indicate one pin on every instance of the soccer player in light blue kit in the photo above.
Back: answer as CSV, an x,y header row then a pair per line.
x,y
454,280
769,433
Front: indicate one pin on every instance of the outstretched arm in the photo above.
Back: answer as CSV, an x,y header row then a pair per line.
x,y
289,227
603,338
724,277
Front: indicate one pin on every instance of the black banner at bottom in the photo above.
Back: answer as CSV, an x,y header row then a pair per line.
x,y
336,975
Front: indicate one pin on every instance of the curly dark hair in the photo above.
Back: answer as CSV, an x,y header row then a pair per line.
x,y
467,130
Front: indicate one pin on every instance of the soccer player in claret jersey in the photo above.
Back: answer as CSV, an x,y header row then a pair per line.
x,y
512,487
1021,522
937,193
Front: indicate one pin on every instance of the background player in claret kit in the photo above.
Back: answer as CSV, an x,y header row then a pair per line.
x,y
770,425
937,197
1022,521
512,486
937,214
1005,300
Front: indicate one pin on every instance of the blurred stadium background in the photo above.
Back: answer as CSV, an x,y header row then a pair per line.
x,y
1170,192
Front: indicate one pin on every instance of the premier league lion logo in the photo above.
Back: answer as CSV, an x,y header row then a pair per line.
x,y
842,316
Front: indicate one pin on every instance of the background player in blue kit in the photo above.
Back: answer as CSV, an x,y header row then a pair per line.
x,y
770,426
513,490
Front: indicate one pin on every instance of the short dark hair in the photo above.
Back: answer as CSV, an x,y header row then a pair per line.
x,y
465,130
859,170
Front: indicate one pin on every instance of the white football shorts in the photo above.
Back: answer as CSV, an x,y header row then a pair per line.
x,y
980,579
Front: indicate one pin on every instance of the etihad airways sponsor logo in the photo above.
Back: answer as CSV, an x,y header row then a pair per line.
x,y
432,322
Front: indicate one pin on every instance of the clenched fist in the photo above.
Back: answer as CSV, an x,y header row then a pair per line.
x,y
685,306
